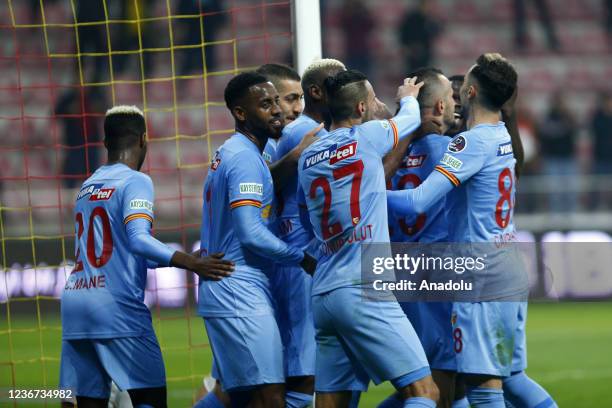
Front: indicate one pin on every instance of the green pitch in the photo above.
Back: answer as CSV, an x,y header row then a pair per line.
x,y
569,354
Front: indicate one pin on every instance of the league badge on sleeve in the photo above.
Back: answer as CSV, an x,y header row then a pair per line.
x,y
457,144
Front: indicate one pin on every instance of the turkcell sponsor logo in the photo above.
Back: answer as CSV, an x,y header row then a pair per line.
x,y
333,153
452,162
504,149
140,204
414,161
251,188
95,192
343,152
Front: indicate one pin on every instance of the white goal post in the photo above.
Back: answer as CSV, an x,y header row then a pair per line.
x,y
306,24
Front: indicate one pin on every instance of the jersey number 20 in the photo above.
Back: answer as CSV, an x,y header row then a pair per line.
x,y
107,240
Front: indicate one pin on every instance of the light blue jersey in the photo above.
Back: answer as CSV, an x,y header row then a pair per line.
x,y
342,183
423,155
103,296
238,176
290,228
480,164
269,153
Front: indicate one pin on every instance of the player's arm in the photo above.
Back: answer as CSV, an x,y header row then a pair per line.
x,y
418,200
137,203
247,221
384,135
462,159
509,116
393,159
285,168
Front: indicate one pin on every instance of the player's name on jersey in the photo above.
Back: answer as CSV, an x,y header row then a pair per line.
x,y
422,286
93,282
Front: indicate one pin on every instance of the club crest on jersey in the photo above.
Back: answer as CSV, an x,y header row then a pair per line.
x,y
333,153
414,161
457,144
95,192
504,149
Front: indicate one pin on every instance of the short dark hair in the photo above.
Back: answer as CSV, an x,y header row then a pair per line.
x,y
457,78
496,79
345,90
123,127
278,72
430,77
239,86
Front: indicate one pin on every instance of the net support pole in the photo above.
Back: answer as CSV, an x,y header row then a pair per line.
x,y
306,21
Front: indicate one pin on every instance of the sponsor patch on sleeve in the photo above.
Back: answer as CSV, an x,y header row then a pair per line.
x,y
452,162
504,149
251,188
141,204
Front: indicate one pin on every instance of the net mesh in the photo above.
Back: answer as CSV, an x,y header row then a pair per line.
x,y
62,64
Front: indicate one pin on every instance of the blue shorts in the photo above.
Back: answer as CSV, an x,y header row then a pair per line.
x,y
291,290
432,323
88,365
359,340
519,357
247,351
484,336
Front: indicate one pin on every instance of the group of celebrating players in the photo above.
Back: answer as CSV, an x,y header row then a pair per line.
x,y
287,203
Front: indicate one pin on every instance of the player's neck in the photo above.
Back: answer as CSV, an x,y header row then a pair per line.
x,y
347,123
479,116
313,114
257,141
126,157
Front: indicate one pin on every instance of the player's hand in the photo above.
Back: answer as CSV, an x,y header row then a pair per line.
x,y
308,139
409,88
309,264
212,267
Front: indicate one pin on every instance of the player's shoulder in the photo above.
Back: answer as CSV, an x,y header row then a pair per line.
x,y
301,125
239,152
470,140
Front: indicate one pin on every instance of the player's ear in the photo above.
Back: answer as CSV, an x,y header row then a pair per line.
x,y
439,107
361,108
143,139
472,91
239,113
315,92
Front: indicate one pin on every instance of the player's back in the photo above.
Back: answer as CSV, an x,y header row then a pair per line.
x,y
104,294
430,226
481,207
236,156
342,179
290,228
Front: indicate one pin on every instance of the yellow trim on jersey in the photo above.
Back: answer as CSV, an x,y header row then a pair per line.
x,y
240,203
453,179
136,216
395,132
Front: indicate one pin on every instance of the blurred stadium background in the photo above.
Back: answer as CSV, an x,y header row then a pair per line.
x,y
64,62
